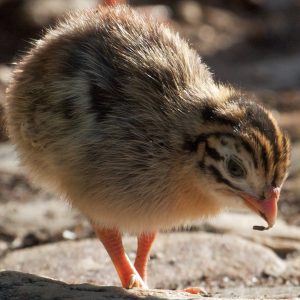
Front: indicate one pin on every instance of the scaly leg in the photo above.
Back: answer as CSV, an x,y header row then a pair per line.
x,y
114,2
145,241
112,241
195,291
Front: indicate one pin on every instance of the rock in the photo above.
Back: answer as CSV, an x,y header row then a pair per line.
x,y
281,246
282,101
5,75
278,73
241,224
292,271
290,122
161,13
8,159
178,260
40,220
16,285
44,14
295,156
26,210
282,238
279,292
189,11
3,248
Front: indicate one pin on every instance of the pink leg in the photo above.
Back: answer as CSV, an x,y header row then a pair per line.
x,y
195,290
114,2
112,241
145,241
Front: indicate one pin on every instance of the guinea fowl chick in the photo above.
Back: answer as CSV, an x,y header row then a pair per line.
x,y
119,114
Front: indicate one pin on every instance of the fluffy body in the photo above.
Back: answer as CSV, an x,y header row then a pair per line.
x,y
119,114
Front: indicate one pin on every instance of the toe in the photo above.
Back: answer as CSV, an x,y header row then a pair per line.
x,y
195,290
136,282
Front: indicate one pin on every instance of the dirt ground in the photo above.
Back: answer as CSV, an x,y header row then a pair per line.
x,y
251,44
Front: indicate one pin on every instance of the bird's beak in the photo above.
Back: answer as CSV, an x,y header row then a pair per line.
x,y
266,208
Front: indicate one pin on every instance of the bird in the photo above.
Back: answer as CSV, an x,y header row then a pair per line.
x,y
118,114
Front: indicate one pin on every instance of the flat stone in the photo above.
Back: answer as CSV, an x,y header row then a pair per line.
x,y
43,219
178,260
3,248
26,210
293,268
280,238
16,285
8,159
295,155
278,292
290,122
190,12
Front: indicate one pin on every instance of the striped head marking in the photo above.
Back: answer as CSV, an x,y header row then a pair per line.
x,y
243,156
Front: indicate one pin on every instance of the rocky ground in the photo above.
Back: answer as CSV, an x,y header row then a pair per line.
x,y
251,44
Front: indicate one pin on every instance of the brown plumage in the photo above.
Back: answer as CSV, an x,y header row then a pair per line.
x,y
119,114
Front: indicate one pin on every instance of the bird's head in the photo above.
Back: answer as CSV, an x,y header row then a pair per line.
x,y
243,156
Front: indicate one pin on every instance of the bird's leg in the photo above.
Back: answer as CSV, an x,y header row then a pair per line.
x,y
145,241
114,2
112,241
195,290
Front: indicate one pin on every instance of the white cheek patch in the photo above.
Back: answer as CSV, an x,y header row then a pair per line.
x,y
231,201
254,181
229,147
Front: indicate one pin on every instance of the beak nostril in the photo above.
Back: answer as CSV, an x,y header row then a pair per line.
x,y
271,192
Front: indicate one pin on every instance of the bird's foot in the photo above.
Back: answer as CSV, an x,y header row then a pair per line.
x,y
196,290
136,281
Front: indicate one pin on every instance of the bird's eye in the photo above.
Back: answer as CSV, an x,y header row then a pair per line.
x,y
235,169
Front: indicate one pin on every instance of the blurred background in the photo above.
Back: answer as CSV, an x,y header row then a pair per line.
x,y
252,44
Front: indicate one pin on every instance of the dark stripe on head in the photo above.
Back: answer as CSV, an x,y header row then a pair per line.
x,y
251,151
275,178
283,163
75,49
258,118
219,178
213,153
264,156
201,165
284,144
192,144
210,114
100,103
202,138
